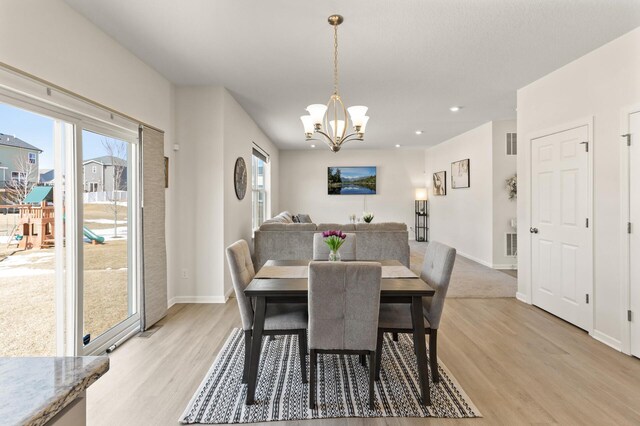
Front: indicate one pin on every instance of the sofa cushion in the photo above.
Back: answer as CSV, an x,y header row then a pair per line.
x,y
348,227
383,226
284,217
275,226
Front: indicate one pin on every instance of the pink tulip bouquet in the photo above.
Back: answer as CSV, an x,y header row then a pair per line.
x,y
334,239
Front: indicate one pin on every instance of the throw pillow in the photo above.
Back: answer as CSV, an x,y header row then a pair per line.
x,y
304,218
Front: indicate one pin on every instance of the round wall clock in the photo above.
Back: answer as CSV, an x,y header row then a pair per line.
x,y
240,178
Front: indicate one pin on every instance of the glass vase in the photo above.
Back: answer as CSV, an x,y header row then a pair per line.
x,y
334,256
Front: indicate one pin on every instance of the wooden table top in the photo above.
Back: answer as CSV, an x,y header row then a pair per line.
x,y
299,286
305,262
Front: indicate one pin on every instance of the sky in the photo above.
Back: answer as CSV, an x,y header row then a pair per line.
x,y
356,172
37,130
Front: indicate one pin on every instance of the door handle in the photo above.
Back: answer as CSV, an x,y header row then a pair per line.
x,y
533,230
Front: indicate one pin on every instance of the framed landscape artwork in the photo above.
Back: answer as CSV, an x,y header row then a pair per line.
x,y
460,174
351,180
440,183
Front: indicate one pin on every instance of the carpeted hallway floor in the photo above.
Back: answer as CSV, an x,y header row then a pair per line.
x,y
470,279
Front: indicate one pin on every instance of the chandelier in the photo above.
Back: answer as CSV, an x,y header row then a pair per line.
x,y
330,122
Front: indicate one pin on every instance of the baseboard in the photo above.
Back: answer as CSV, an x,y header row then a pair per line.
x,y
523,297
511,267
475,259
198,299
607,340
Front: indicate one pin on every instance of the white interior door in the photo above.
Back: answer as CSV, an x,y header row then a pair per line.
x,y
634,237
561,256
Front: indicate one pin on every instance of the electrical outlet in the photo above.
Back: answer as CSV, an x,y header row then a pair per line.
x,y
185,274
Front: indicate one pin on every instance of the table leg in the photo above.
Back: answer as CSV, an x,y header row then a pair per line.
x,y
420,345
256,347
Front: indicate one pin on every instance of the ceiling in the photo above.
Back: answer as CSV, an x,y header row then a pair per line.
x,y
408,61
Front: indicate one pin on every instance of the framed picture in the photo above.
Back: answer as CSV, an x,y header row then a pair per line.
x,y
351,180
166,172
440,183
460,174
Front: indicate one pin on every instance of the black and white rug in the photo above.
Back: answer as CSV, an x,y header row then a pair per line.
x,y
342,386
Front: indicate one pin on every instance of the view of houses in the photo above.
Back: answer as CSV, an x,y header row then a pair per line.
x,y
20,171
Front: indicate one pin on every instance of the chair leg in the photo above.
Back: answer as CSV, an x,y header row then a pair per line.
x,y
363,360
247,356
302,337
395,337
372,374
433,355
312,379
378,354
303,342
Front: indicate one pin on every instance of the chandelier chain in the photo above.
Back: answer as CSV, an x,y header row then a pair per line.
x,y
335,59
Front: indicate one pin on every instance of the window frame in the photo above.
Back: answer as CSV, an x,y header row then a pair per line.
x,y
35,158
258,219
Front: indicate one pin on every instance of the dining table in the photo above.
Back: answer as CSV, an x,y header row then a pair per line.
x,y
286,281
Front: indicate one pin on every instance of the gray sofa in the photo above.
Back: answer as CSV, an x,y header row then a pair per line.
x,y
282,239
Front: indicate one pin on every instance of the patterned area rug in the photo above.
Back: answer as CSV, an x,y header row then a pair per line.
x,y
342,387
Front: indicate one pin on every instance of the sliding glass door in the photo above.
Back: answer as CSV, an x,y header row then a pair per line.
x,y
69,230
109,229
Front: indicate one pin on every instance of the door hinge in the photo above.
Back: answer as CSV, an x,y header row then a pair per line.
x,y
586,221
628,227
629,315
586,298
628,136
586,146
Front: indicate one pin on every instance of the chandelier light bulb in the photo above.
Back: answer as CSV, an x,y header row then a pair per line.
x,y
338,128
316,111
357,114
307,122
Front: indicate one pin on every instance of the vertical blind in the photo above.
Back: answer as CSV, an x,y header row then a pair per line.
x,y
154,282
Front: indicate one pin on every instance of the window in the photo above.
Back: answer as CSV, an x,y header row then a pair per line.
x,y
94,169
32,158
19,176
512,144
259,173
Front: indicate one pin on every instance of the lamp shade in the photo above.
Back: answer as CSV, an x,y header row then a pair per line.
x,y
357,114
338,128
421,194
307,122
316,111
365,119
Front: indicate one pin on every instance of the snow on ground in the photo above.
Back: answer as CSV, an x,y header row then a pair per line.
x,y
14,266
105,221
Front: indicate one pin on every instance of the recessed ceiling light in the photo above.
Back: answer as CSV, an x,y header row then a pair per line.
x,y
455,108
313,146
397,145
418,132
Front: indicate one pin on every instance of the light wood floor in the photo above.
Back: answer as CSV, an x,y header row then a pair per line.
x,y
517,363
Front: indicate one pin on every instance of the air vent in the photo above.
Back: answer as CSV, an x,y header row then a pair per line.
x,y
511,244
512,144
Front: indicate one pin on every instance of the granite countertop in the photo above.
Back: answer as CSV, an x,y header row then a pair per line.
x,y
33,390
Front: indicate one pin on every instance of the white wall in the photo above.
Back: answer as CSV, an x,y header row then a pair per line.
x,y
200,195
214,131
474,220
597,86
504,167
240,132
463,218
50,40
303,184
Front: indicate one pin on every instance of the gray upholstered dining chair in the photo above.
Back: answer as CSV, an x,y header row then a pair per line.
x,y
321,249
344,300
396,318
280,318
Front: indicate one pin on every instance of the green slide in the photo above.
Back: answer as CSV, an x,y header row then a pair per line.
x,y
91,235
